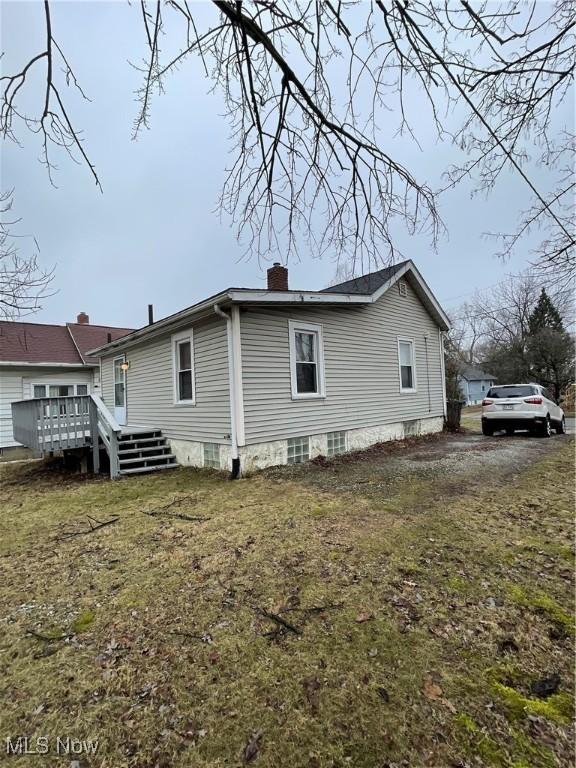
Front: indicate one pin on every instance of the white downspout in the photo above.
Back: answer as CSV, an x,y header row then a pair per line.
x,y
232,375
443,371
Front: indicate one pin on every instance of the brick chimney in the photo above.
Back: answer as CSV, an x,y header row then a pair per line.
x,y
277,278
83,319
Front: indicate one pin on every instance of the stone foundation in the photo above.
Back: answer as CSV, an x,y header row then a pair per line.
x,y
260,455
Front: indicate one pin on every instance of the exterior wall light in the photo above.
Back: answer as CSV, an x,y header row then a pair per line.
x,y
125,365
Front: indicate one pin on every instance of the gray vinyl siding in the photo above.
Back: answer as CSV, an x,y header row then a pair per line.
x,y
10,390
16,384
107,381
81,376
150,386
361,368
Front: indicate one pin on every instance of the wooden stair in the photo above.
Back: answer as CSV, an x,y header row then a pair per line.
x,y
141,451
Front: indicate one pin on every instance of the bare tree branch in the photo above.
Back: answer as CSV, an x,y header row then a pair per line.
x,y
23,283
311,168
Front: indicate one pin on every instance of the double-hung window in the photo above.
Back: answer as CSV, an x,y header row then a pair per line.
x,y
306,360
183,368
406,365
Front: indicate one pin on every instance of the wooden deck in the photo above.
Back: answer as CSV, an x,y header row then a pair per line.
x,y
48,424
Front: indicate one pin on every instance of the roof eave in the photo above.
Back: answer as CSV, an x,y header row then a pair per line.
x,y
239,296
25,363
149,331
257,297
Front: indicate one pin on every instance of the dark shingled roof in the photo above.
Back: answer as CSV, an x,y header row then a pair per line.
x,y
470,373
40,343
366,284
89,337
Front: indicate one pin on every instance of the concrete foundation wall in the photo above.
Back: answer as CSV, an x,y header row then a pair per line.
x,y
275,452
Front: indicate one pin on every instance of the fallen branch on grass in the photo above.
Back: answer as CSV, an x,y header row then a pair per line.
x,y
278,620
47,638
94,525
205,638
176,515
162,511
316,608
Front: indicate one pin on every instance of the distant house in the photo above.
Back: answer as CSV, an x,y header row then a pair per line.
x,y
40,360
474,383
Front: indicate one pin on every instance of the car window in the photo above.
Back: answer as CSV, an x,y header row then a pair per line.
x,y
514,390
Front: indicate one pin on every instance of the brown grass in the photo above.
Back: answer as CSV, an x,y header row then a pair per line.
x,y
422,617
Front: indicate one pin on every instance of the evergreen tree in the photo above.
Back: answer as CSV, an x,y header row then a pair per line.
x,y
550,348
545,315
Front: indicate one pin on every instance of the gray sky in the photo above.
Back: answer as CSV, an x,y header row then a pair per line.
x,y
155,235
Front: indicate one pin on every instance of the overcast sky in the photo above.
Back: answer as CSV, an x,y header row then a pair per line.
x,y
155,235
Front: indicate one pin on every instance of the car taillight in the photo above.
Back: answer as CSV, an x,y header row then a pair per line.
x,y
533,400
487,402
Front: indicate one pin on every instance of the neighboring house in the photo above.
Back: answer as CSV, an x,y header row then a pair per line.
x,y
250,378
39,360
474,384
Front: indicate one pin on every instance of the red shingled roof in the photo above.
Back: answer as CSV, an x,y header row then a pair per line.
x,y
40,343
89,337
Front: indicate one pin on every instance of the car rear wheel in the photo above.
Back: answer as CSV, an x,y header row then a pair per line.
x,y
546,428
561,427
487,429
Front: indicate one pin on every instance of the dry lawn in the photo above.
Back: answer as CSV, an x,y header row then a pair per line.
x,y
313,617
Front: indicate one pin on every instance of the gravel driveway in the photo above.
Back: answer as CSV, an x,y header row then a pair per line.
x,y
448,459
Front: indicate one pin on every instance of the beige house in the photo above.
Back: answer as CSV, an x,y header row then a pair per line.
x,y
250,378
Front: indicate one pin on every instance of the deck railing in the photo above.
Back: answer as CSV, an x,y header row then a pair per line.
x,y
47,424
109,431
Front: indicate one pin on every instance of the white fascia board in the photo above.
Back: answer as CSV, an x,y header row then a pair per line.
x,y
297,297
411,267
20,364
149,331
235,296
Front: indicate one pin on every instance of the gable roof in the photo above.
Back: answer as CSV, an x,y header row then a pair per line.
x,y
366,284
87,337
43,343
350,292
470,373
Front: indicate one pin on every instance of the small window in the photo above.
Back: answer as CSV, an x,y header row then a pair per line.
x,y
39,390
336,443
212,455
61,390
306,360
183,369
298,450
406,365
81,389
402,288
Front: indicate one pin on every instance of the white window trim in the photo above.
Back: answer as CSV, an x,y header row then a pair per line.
x,y
49,384
410,390
176,339
296,326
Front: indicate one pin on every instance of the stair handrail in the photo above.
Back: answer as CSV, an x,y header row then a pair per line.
x,y
109,430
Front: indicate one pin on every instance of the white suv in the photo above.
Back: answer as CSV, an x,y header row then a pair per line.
x,y
521,406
